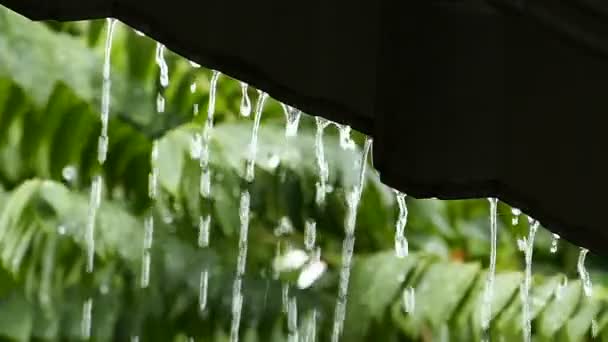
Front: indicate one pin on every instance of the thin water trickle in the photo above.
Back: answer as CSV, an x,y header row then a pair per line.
x,y
146,251
203,231
292,320
583,273
486,308
94,203
87,315
554,243
245,108
203,289
321,162
285,298
352,201
160,103
153,176
106,92
401,245
253,144
527,281
237,297
292,120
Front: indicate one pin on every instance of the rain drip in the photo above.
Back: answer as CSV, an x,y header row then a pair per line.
x,y
292,120
253,144
527,282
554,243
204,226
245,108
515,218
102,148
486,308
321,162
583,273
352,200
244,216
401,245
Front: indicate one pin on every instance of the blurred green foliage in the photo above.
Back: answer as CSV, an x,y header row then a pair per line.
x,y
50,88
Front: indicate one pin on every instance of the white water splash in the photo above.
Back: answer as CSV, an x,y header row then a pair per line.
x,y
253,144
527,281
401,245
245,108
515,216
554,243
87,315
321,162
310,234
352,201
292,120
311,273
292,260
409,300
237,297
486,306
583,273
203,289
346,142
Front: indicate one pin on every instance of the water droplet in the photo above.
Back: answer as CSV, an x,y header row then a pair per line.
x,y
193,87
292,120
69,173
285,227
515,216
160,103
104,289
292,260
61,230
554,243
245,108
273,161
409,300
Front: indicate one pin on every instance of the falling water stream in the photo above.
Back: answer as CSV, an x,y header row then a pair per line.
x,y
205,187
352,200
527,282
401,245
582,272
486,308
321,162
244,216
97,183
